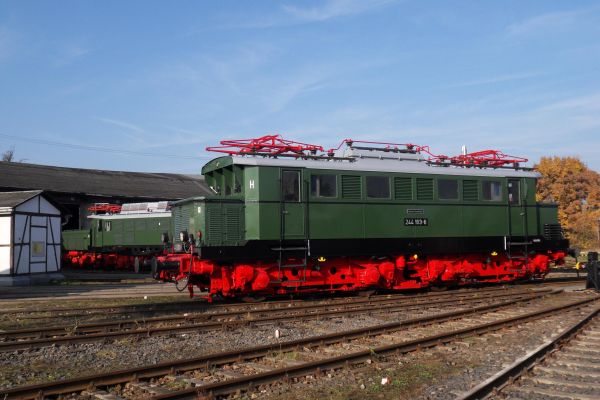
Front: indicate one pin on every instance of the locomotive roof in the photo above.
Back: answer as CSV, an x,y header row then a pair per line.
x,y
353,159
161,214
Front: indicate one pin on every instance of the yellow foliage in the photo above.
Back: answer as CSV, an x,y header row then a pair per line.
x,y
570,183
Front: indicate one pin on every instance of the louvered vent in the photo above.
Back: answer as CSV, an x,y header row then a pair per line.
x,y
351,187
232,223
470,190
403,188
424,189
181,217
553,231
214,229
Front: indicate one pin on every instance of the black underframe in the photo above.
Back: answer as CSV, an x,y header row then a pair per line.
x,y
381,247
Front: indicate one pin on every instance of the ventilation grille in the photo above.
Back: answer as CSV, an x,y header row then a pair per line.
x,y
402,188
214,218
553,231
470,190
232,222
424,189
351,187
181,221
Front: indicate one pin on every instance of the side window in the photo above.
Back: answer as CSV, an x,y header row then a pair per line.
x,y
107,226
290,185
227,180
99,225
513,191
237,179
378,187
447,189
491,190
323,185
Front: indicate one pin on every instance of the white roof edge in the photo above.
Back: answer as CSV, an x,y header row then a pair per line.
x,y
131,216
387,165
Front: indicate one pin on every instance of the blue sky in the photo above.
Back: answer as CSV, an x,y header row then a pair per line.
x,y
146,85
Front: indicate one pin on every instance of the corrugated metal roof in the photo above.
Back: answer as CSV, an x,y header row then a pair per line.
x,y
21,176
13,199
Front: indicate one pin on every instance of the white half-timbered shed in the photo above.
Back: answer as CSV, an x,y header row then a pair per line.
x,y
30,234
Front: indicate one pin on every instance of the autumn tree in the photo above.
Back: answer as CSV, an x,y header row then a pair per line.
x,y
570,183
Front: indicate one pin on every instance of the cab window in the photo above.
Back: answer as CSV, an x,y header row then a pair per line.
x,y
290,186
323,185
491,190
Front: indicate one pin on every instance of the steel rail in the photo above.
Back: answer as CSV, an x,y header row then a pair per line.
x,y
208,326
366,305
202,304
205,361
526,363
157,307
316,367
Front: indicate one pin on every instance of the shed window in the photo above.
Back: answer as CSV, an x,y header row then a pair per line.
x,y
491,190
378,187
447,189
323,186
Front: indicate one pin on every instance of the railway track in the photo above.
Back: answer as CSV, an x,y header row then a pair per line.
x,y
566,367
69,334
319,353
154,308
145,309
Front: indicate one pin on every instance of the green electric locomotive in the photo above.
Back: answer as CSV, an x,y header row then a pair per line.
x,y
285,219
123,237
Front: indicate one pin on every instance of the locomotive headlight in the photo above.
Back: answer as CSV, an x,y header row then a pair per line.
x,y
494,253
183,236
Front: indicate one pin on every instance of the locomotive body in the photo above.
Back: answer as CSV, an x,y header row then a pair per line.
x,y
128,238
362,218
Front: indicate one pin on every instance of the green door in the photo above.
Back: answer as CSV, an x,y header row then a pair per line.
x,y
292,206
516,208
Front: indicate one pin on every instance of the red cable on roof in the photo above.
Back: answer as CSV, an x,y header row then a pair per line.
x,y
273,145
269,145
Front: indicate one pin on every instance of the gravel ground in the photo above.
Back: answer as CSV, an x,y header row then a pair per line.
x,y
439,373
73,360
32,366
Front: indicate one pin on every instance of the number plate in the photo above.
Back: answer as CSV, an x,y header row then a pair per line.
x,y
416,222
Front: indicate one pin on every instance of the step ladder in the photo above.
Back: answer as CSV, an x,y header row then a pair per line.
x,y
301,265
521,248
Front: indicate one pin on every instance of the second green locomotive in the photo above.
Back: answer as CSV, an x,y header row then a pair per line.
x,y
122,237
